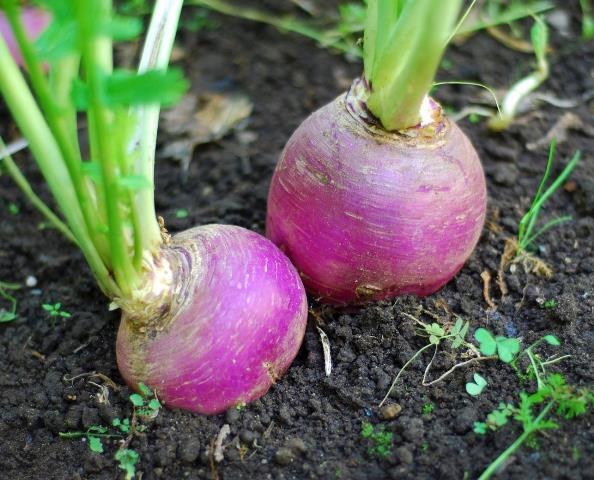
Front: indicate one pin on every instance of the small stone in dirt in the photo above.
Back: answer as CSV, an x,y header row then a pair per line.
x,y
247,436
567,309
413,429
232,415
189,450
284,456
505,174
465,419
390,411
297,445
404,455
30,281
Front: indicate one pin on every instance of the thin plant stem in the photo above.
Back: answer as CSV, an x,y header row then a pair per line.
x,y
455,367
18,178
492,468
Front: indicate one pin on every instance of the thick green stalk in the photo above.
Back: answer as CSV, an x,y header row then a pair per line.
x,y
155,54
92,47
32,124
402,71
15,173
59,122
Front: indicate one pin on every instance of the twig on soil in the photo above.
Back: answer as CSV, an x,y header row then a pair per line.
x,y
326,348
486,276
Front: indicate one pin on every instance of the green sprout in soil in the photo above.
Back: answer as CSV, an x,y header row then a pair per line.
x,y
55,310
13,208
517,250
522,88
127,460
146,406
181,213
505,348
382,440
549,304
10,314
535,412
476,388
587,19
428,408
437,334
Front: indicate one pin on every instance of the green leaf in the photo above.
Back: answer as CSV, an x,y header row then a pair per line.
x,y
136,400
457,326
122,28
507,348
154,404
367,430
552,340
480,428
480,380
47,307
57,40
473,389
146,391
487,344
539,37
95,444
135,182
124,88
435,329
433,339
6,316
127,460
93,171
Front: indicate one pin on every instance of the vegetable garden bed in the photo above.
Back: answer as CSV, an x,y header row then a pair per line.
x,y
59,372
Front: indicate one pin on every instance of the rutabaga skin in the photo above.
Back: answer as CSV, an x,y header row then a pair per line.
x,y
34,20
366,214
230,328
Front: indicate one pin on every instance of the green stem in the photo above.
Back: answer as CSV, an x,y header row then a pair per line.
x,y
23,184
155,55
50,160
402,71
59,122
491,469
92,43
404,367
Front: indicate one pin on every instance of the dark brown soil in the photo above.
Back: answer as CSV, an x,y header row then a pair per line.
x,y
308,425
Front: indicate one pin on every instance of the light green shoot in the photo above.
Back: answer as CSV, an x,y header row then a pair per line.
x,y
518,92
10,314
587,19
403,44
55,310
127,460
526,234
476,388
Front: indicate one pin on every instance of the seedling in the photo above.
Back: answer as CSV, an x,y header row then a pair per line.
x,y
55,310
505,347
525,229
436,333
381,439
181,213
146,404
10,314
127,460
587,19
13,208
122,425
428,408
556,399
476,388
549,304
93,434
521,89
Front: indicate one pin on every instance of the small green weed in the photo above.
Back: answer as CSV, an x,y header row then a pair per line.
x,y
10,314
506,348
549,304
181,213
55,310
127,460
553,399
476,388
13,208
428,408
382,440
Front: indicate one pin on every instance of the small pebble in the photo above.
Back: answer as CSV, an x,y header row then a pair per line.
x,y
284,456
388,412
31,281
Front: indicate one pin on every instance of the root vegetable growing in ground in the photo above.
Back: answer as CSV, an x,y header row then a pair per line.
x,y
378,194
211,317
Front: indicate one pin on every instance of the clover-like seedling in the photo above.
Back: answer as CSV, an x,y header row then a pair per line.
x,y
55,310
93,434
506,348
382,440
122,425
127,460
144,405
476,388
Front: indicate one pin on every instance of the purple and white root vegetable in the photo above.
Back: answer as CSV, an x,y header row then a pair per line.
x,y
230,319
35,20
366,214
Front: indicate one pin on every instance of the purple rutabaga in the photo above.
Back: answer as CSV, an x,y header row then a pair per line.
x,y
232,317
34,22
365,214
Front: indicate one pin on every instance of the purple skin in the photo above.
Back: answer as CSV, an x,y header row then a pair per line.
x,y
232,328
366,215
34,19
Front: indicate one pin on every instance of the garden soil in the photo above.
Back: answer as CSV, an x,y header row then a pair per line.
x,y
59,374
